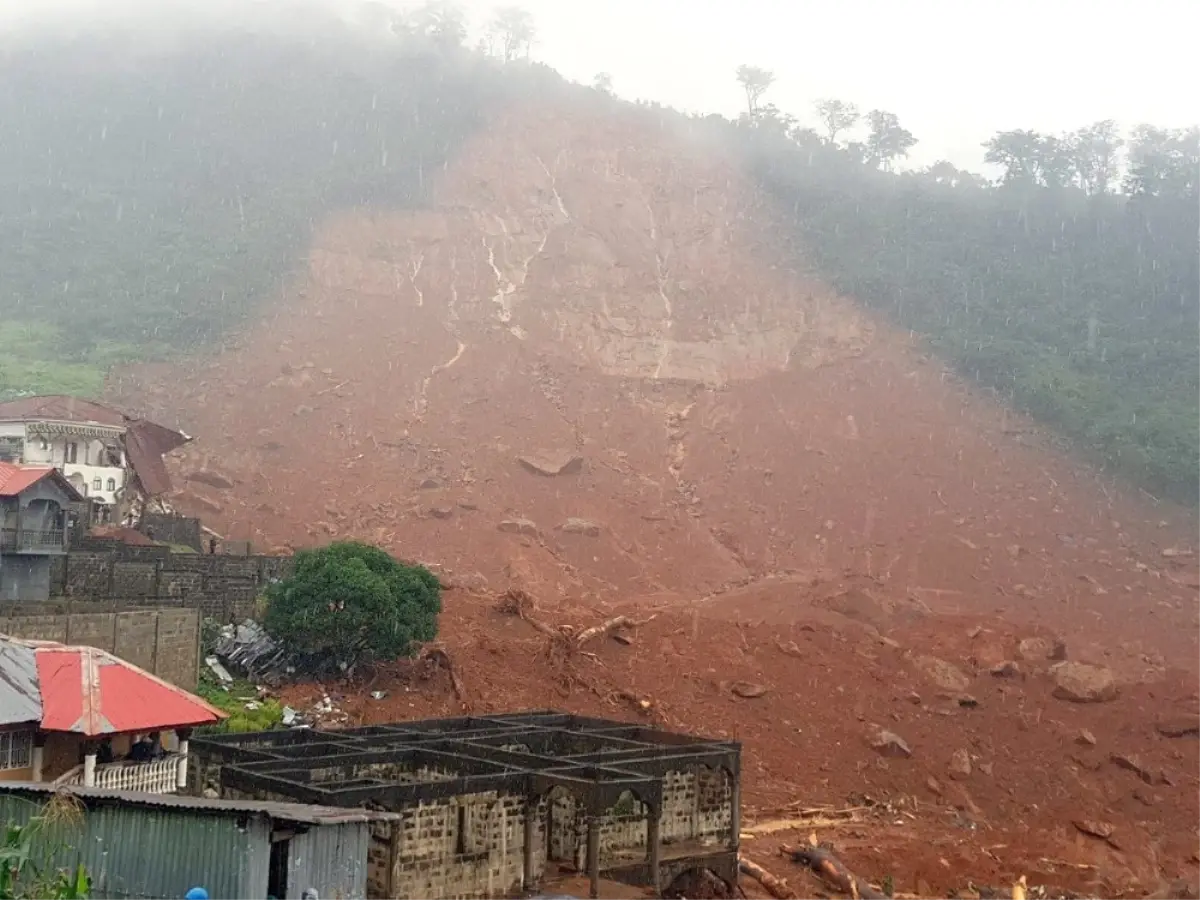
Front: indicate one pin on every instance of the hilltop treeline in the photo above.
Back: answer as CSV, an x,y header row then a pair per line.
x,y
150,200
1070,285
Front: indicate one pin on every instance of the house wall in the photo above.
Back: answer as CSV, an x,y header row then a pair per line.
x,y
24,578
165,642
224,853
87,466
468,846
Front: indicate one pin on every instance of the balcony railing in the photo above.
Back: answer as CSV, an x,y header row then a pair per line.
x,y
159,776
26,539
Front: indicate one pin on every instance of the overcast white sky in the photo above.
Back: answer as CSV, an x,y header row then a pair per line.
x,y
955,72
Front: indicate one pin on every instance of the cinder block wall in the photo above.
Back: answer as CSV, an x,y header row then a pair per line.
x,y
162,641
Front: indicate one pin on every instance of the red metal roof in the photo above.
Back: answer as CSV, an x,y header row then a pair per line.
x,y
61,408
14,479
91,692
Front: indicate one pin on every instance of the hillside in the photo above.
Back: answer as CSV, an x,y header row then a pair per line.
x,y
631,362
745,454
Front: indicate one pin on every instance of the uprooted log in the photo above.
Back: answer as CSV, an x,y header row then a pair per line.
x,y
776,887
832,871
437,657
516,602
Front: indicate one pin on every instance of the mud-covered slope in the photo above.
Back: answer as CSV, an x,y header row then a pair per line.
x,y
806,500
608,289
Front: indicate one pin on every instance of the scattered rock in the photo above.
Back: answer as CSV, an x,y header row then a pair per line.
x,y
550,464
1131,763
464,581
1038,649
302,410
960,765
192,501
430,484
210,478
945,675
1179,726
967,701
890,744
748,690
1094,828
519,526
580,526
975,632
441,512
469,505
935,786
1182,889
1083,683
985,768
1175,553
1086,738
1006,669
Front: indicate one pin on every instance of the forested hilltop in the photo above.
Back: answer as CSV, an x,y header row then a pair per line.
x,y
1071,284
152,199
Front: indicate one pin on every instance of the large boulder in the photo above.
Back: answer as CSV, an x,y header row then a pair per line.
x,y
1082,683
551,463
585,527
944,675
519,526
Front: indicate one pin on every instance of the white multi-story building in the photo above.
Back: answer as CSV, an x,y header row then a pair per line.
x,y
103,453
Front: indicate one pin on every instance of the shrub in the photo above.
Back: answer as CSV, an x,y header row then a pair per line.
x,y
351,603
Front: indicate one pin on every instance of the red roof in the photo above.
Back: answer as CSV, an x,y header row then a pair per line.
x,y
61,408
91,692
14,478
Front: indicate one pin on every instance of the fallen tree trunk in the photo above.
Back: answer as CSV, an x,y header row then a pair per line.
x,y
776,887
603,628
832,871
438,657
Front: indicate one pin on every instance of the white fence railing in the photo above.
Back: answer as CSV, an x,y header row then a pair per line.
x,y
159,776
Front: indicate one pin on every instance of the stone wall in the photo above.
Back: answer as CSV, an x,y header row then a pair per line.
x,y
122,575
163,641
468,846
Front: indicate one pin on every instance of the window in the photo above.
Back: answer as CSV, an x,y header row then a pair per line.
x,y
112,484
72,453
97,484
16,749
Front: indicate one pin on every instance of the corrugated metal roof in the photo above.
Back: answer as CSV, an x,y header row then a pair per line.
x,y
19,698
131,851
89,691
297,813
61,408
92,692
147,444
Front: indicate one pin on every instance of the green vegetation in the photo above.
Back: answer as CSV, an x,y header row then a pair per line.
x,y
150,199
26,871
1075,303
262,715
351,603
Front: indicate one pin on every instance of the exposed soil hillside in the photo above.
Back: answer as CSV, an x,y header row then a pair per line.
x,y
805,501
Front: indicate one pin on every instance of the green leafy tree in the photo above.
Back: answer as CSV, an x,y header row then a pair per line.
x,y
1095,150
836,116
1163,161
755,82
351,603
887,141
511,33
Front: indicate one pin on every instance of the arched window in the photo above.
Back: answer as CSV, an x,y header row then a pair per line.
x,y
97,484
112,484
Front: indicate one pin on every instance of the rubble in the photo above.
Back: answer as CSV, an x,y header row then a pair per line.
x,y
248,648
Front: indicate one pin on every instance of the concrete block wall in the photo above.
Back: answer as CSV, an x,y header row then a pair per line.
x,y
223,587
162,641
467,846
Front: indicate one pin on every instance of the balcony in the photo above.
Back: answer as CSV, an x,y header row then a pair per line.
x,y
158,776
30,540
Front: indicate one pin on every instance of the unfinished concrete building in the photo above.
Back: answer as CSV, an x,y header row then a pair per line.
x,y
493,805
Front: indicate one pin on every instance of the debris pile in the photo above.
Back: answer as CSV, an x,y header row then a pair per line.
x,y
247,648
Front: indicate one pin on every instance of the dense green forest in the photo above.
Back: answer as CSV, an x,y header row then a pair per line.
x,y
152,198
1078,302
149,199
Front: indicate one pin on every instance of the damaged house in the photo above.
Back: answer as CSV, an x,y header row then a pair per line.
x,y
488,806
113,460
